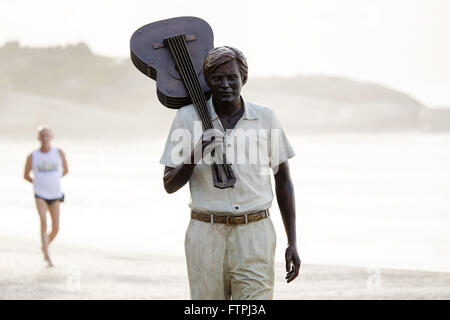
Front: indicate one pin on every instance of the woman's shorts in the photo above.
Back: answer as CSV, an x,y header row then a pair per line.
x,y
50,201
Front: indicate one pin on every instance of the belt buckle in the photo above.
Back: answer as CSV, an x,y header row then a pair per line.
x,y
227,220
212,218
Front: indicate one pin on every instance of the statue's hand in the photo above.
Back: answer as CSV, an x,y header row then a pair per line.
x,y
292,263
210,140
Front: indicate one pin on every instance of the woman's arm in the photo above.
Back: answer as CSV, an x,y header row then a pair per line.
x,y
64,162
26,174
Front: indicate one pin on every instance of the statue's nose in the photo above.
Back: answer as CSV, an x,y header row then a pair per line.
x,y
225,82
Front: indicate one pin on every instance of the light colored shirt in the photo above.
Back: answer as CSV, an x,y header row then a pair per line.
x,y
251,165
47,171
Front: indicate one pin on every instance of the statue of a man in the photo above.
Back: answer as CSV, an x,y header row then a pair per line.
x,y
230,241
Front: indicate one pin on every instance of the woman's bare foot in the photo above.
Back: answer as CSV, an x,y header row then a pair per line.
x,y
49,263
47,257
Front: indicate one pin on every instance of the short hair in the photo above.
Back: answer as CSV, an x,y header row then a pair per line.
x,y
43,127
221,55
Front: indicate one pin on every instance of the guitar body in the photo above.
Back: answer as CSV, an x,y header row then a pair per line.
x,y
151,56
172,52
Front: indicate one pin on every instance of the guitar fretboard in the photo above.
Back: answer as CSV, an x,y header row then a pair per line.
x,y
180,53
223,176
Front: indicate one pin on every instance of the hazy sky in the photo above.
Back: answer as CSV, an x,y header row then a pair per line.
x,y
404,44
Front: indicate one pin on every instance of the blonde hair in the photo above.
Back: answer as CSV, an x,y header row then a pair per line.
x,y
43,127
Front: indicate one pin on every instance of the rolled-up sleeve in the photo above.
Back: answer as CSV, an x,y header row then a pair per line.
x,y
280,148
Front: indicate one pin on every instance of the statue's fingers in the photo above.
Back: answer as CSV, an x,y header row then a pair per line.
x,y
288,263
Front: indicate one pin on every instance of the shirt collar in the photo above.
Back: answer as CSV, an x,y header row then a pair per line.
x,y
249,113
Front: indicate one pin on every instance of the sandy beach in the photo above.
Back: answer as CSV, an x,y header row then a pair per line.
x,y
379,207
88,274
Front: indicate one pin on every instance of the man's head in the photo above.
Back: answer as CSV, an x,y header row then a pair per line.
x,y
225,70
45,134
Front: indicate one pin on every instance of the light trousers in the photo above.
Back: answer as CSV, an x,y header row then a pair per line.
x,y
230,261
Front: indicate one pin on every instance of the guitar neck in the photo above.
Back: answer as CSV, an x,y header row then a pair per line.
x,y
180,53
222,174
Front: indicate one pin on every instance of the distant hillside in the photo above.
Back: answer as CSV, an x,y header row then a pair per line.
x,y
23,112
321,103
74,75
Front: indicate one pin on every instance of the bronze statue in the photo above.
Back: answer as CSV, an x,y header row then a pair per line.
x,y
230,241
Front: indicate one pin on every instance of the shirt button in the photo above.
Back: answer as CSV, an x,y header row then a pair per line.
x,y
229,145
236,207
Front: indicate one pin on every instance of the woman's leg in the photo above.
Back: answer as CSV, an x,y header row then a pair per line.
x,y
42,210
54,213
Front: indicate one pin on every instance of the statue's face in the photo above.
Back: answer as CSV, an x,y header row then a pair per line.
x,y
225,82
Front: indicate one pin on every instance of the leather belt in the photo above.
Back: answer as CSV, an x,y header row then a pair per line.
x,y
230,219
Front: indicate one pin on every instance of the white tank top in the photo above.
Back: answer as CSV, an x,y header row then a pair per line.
x,y
47,170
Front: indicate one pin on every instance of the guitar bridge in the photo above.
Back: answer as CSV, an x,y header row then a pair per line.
x,y
222,174
158,45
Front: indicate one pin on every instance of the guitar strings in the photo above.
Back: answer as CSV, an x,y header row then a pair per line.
x,y
187,59
195,88
188,81
195,83
183,60
193,75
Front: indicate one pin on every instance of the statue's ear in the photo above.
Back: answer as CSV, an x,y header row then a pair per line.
x,y
244,80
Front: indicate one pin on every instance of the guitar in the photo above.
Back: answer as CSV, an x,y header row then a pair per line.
x,y
172,52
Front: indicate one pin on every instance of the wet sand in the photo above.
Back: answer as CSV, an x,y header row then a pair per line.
x,y
363,200
80,273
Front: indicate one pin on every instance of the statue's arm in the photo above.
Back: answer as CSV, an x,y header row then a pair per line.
x,y
175,178
286,202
